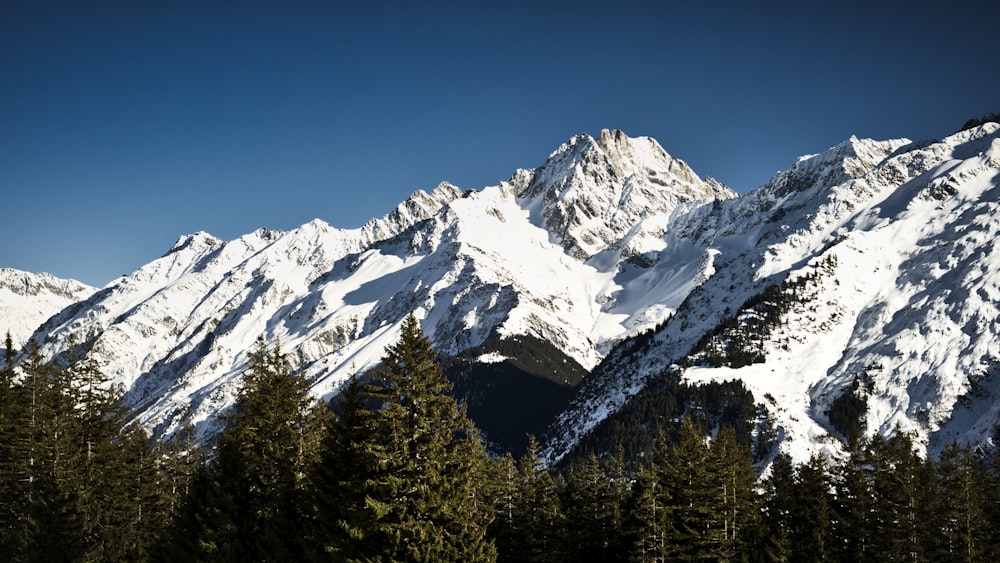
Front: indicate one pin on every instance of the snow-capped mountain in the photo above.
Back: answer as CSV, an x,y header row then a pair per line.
x,y
27,300
865,274
882,254
538,255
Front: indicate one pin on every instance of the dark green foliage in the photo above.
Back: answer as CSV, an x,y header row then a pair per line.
x,y
414,485
962,507
249,502
75,482
739,340
798,514
661,405
591,509
537,513
847,411
396,472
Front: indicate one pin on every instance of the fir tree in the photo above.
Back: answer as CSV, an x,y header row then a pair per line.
x,y
902,484
339,479
735,479
248,503
645,518
695,513
538,512
854,507
505,488
417,493
812,535
591,512
77,484
780,507
963,522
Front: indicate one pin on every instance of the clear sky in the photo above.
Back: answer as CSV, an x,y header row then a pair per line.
x,y
124,125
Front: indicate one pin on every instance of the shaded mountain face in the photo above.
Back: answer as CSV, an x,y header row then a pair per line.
x,y
856,287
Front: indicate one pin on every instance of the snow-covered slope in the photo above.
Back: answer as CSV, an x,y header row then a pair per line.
x,y
864,276
896,241
538,255
27,300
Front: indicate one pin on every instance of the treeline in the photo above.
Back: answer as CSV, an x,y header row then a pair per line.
x,y
396,471
77,484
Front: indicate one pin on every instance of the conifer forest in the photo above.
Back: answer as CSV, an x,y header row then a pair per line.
x,y
394,470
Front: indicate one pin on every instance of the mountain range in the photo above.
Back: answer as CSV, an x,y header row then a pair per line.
x,y
857,289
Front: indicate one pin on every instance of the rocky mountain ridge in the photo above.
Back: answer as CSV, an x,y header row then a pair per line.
x,y
614,257
474,265
27,300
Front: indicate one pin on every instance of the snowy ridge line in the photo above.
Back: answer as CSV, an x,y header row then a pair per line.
x,y
472,265
623,259
886,210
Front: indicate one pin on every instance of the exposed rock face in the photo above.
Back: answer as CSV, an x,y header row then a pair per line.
x,y
592,192
507,260
900,308
610,241
27,300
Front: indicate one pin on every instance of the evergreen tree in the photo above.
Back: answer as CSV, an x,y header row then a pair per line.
x,y
963,522
812,535
8,466
417,493
340,481
76,483
505,488
591,511
779,509
696,515
902,485
42,524
736,479
249,502
645,517
537,511
854,507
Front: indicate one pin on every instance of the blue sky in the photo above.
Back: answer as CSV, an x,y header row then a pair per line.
x,y
124,125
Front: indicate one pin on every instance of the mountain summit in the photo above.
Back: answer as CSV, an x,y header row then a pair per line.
x,y
860,276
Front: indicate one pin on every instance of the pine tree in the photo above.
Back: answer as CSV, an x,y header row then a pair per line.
x,y
76,483
9,487
591,513
537,511
42,524
735,479
339,478
902,485
854,521
505,488
644,519
812,535
779,509
963,522
249,502
695,513
417,493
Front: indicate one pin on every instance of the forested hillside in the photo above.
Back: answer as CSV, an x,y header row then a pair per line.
x,y
394,470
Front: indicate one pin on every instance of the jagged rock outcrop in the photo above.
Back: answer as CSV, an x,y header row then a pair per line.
x,y
865,272
27,300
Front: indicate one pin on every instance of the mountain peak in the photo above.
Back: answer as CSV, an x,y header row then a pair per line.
x,y
27,300
878,254
591,192
612,137
200,238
